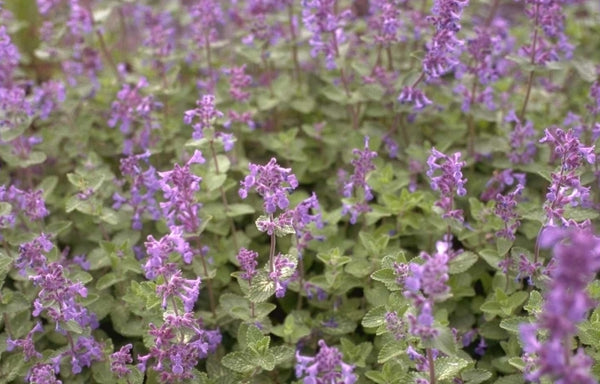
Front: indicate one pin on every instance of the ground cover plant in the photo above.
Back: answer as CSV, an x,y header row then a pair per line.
x,y
310,191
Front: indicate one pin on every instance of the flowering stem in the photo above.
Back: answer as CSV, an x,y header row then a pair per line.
x,y
223,196
431,366
272,249
211,297
351,108
208,55
531,73
294,43
390,60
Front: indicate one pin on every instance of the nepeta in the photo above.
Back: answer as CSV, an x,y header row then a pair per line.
x,y
356,185
445,173
271,182
326,366
576,254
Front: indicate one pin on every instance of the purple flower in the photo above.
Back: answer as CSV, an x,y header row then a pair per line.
x,y
143,188
326,28
271,182
395,325
248,262
175,357
449,180
356,184
86,351
576,255
175,285
179,188
566,187
159,252
57,297
10,57
31,254
505,209
385,22
326,366
414,96
26,344
47,96
205,114
301,218
42,374
499,182
119,359
281,267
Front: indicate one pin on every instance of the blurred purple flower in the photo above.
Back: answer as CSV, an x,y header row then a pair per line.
x,y
445,173
326,366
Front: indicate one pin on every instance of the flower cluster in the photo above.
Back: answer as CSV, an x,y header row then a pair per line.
x,y
143,188
577,260
179,188
326,28
132,106
449,180
28,203
326,366
179,343
271,182
160,250
442,51
566,187
248,262
357,183
521,140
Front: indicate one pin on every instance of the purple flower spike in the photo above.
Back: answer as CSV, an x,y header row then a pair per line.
x,y
357,182
326,366
175,285
205,114
449,180
576,255
271,182
248,262
119,359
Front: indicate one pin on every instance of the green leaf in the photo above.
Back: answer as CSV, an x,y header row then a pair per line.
x,y
241,362
448,367
389,350
503,245
47,186
108,280
12,367
511,379
283,354
475,376
387,277
444,341
375,317
462,262
262,287
236,210
512,324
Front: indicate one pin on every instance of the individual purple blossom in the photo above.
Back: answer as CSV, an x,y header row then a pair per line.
x,y
119,361
528,269
356,184
176,286
248,262
179,344
179,188
26,344
160,250
42,373
271,182
445,173
576,254
203,116
326,366
431,277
